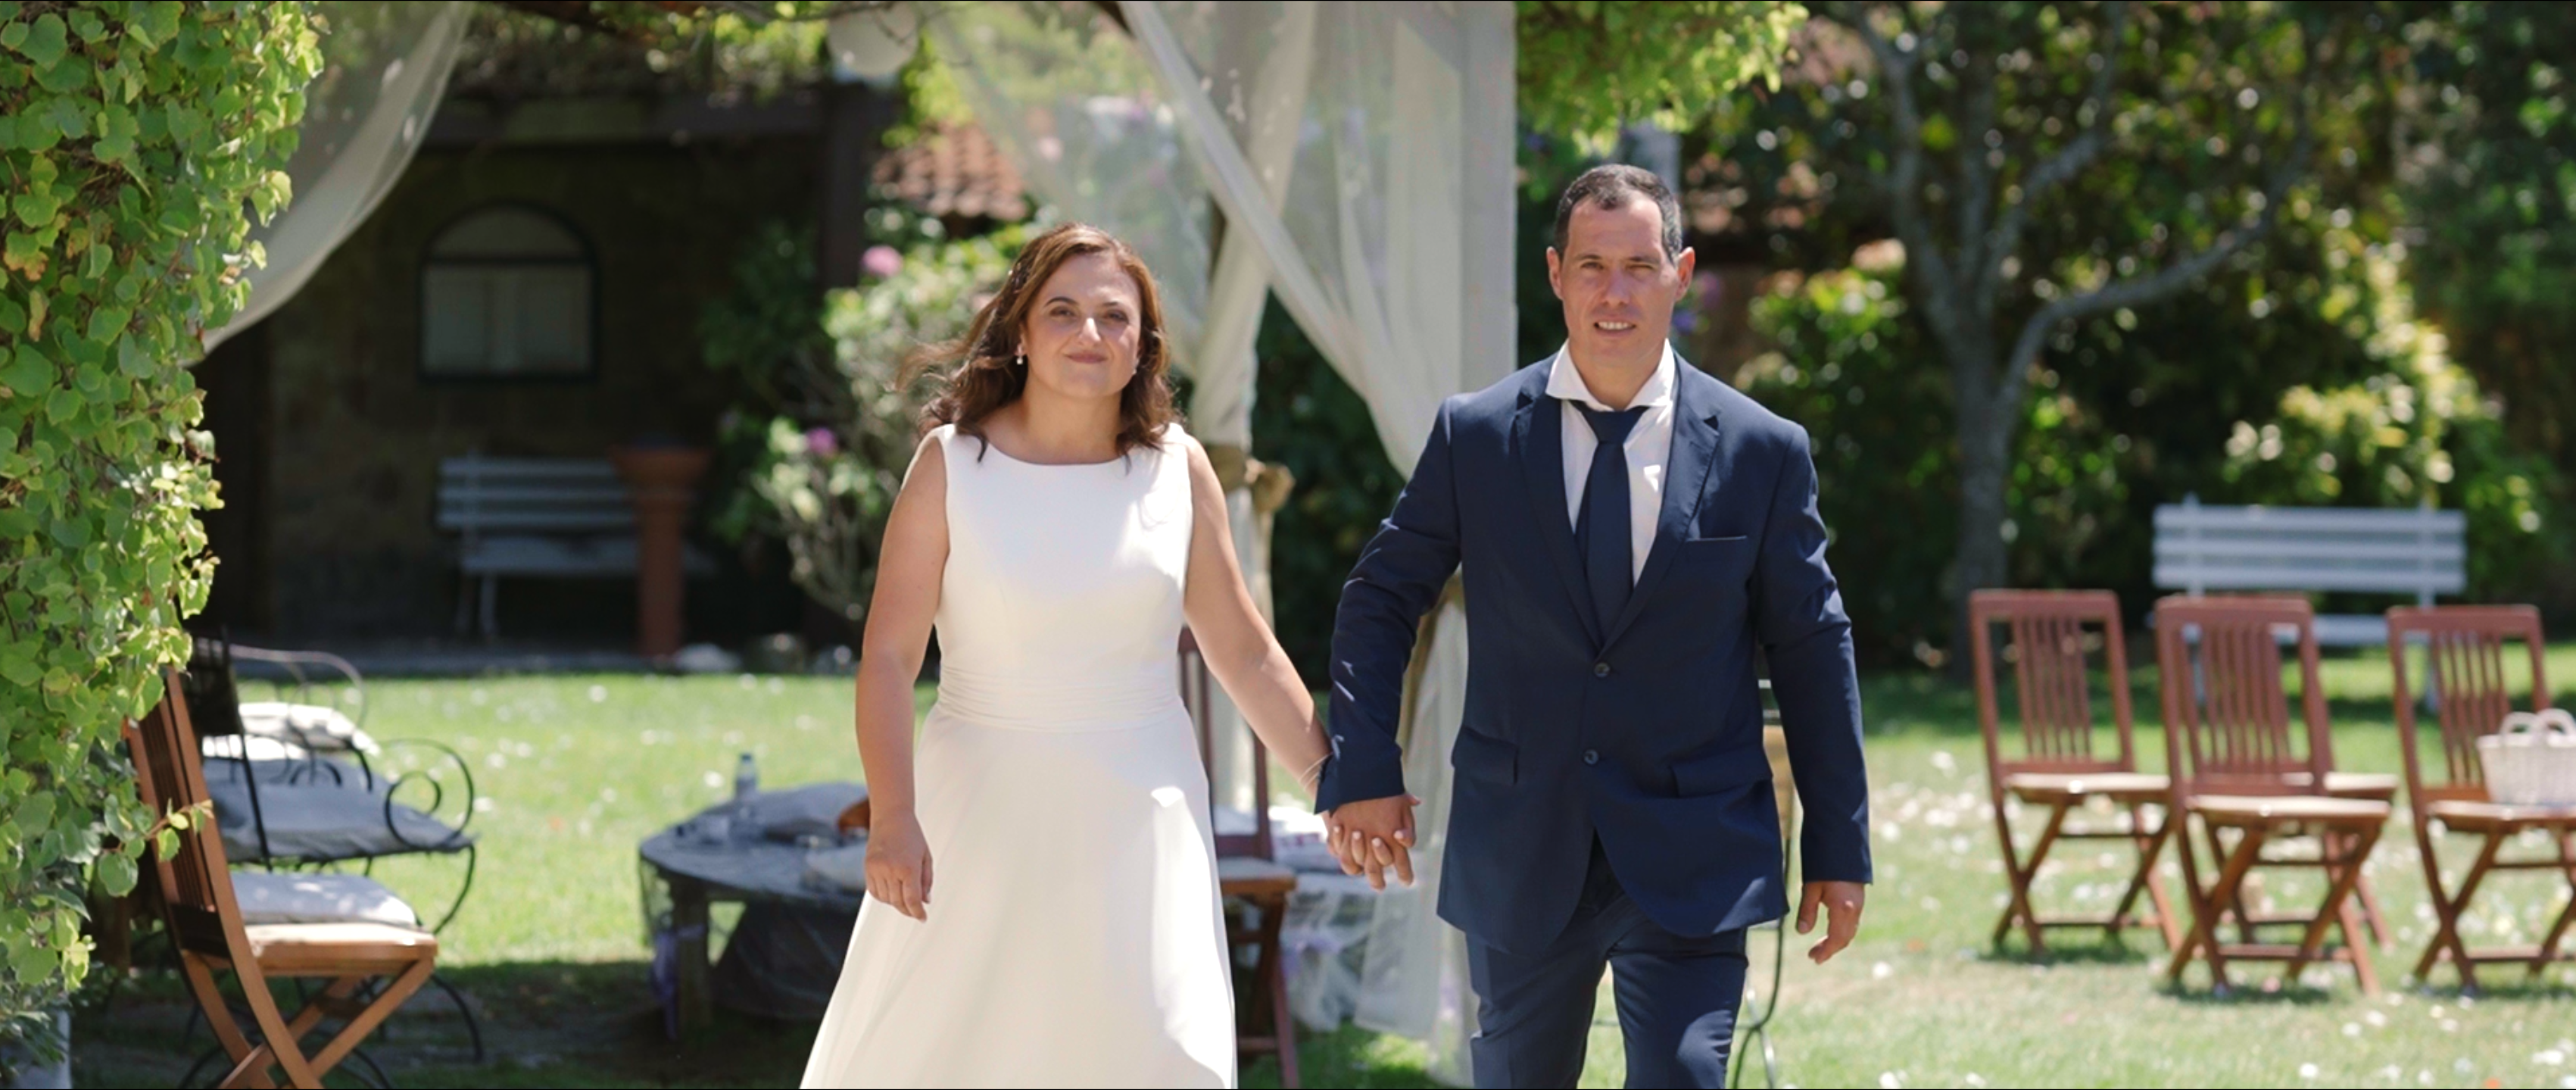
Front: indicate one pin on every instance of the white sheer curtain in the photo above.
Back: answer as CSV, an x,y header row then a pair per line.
x,y
385,65
1382,218
1392,249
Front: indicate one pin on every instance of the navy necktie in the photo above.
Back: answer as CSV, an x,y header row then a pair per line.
x,y
1601,524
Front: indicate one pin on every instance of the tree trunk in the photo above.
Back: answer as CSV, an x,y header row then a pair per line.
x,y
1985,463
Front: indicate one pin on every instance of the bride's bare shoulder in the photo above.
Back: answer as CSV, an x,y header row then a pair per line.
x,y
929,469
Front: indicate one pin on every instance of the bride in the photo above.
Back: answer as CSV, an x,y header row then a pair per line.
x,y
1042,899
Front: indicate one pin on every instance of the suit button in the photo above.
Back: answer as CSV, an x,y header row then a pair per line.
x,y
1601,669
1592,756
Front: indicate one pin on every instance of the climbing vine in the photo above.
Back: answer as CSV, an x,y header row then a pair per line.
x,y
136,141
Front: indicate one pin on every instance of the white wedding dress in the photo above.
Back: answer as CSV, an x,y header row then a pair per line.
x,y
1074,936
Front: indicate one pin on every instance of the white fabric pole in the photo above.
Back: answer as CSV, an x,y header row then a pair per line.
x,y
1408,135
1222,393
385,67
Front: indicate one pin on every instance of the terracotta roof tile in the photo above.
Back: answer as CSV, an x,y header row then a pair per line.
x,y
954,171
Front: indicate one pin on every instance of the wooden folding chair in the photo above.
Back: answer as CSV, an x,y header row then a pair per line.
x,y
1249,877
2239,764
2464,653
196,893
2061,766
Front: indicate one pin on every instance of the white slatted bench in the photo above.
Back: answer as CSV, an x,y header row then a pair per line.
x,y
564,518
2419,553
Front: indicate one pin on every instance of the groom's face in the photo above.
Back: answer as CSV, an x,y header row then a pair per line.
x,y
1617,284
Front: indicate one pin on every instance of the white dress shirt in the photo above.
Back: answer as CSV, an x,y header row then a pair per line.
x,y
1648,447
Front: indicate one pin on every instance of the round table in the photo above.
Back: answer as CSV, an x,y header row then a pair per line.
x,y
684,874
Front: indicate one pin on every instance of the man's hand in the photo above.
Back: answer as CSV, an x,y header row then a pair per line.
x,y
1842,901
1373,836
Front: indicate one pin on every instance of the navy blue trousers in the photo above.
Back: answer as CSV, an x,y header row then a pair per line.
x,y
1677,996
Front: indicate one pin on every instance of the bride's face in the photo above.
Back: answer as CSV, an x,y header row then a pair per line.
x,y
1083,335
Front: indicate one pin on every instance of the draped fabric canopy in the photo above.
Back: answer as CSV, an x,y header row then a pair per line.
x,y
1361,158
385,65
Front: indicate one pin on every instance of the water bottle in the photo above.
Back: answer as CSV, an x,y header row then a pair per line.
x,y
745,787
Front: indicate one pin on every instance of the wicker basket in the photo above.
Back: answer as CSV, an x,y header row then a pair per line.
x,y
2531,760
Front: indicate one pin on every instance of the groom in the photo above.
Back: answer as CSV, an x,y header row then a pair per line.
x,y
1634,534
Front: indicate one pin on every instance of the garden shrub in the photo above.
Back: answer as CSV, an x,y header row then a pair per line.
x,y
824,450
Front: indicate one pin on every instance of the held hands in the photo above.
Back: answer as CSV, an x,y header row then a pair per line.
x,y
1842,902
1374,836
899,865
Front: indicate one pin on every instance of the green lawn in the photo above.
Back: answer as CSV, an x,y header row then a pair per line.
x,y
576,770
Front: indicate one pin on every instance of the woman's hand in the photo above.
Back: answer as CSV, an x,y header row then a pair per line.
x,y
899,865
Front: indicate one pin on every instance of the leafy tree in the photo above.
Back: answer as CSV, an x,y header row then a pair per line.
x,y
2337,395
2489,177
132,135
2046,165
1586,67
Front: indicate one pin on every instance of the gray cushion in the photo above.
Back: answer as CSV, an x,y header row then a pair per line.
x,y
309,813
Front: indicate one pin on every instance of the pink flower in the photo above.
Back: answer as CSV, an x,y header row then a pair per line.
x,y
821,442
881,261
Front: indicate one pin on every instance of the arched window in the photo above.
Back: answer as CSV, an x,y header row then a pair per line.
x,y
507,293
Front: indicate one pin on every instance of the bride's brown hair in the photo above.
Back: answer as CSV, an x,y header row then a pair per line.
x,y
977,375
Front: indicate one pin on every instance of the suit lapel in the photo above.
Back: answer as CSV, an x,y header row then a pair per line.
x,y
1691,475
1538,441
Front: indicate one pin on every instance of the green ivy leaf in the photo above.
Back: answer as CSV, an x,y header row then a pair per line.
x,y
106,322
17,663
71,533
31,962
37,207
63,406
36,811
64,115
44,43
133,359
116,874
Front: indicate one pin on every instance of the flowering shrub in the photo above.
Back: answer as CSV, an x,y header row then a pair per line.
x,y
825,453
2420,433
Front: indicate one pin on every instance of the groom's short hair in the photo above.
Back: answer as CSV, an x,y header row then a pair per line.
x,y
1609,187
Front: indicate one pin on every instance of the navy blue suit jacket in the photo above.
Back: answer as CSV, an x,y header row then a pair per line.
x,y
1648,734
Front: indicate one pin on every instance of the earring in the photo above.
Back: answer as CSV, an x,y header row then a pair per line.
x,y
1021,360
